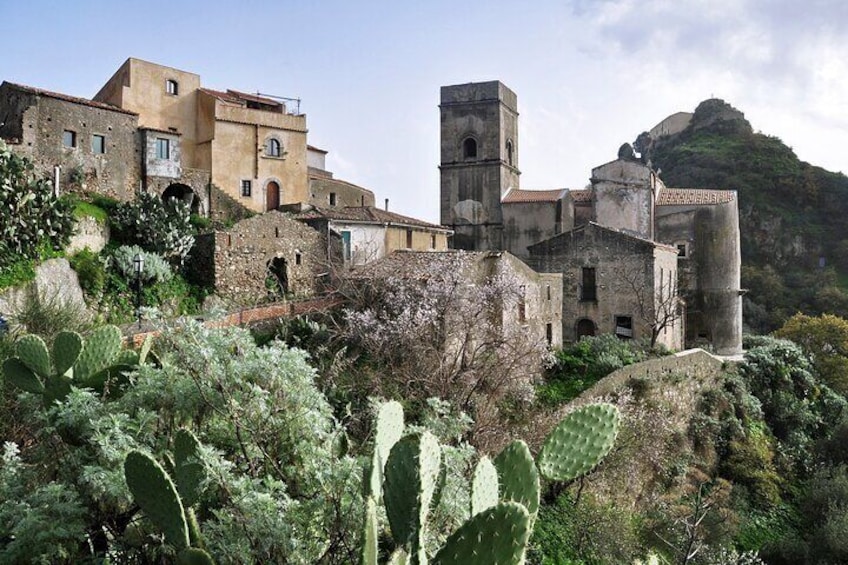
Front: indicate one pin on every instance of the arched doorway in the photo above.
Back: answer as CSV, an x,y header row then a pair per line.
x,y
272,196
277,276
183,193
585,326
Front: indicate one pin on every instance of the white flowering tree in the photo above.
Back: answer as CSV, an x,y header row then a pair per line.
x,y
447,327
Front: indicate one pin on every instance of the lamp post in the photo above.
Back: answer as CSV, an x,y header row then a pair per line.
x,y
138,264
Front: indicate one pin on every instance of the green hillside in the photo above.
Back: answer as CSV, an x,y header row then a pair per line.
x,y
793,215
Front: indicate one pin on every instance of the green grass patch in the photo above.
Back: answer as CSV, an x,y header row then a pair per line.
x,y
87,209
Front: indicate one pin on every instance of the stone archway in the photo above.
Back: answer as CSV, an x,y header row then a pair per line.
x,y
184,193
585,326
277,276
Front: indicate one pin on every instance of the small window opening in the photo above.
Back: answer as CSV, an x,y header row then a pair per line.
x,y
432,242
298,258
273,148
346,246
588,291
549,333
681,250
549,292
469,148
332,199
163,148
98,144
171,87
624,327
246,188
69,138
522,307
409,239
509,152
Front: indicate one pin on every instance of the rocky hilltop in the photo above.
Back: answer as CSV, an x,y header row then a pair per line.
x,y
794,215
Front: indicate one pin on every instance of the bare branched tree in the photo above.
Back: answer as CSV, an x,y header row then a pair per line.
x,y
658,303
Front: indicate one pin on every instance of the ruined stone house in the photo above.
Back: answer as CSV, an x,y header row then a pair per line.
x,y
627,221
531,305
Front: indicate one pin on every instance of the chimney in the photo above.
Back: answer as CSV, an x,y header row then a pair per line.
x,y
387,204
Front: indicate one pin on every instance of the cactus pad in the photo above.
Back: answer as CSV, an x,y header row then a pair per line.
x,y
189,470
519,478
412,472
33,353
21,376
484,486
66,349
579,442
389,429
497,536
194,556
369,542
99,352
157,496
399,557
145,349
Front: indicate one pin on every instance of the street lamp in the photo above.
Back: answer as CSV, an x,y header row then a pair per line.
x,y
138,266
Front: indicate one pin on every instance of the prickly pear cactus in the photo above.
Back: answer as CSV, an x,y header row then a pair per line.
x,y
496,536
194,556
369,542
189,470
519,478
99,352
155,493
22,376
579,442
32,351
390,428
399,557
66,350
412,472
484,486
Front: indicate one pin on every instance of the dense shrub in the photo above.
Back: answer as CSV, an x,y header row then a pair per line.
x,y
32,218
90,270
160,227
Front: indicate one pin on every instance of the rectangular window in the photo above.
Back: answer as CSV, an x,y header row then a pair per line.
x,y
549,292
681,250
69,138
163,148
624,327
549,333
332,199
298,258
346,245
588,291
409,239
432,242
172,87
98,144
246,188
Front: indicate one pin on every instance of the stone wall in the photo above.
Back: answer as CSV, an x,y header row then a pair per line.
x,y
38,120
88,233
343,193
242,256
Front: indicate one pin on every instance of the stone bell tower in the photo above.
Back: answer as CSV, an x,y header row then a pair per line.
x,y
479,161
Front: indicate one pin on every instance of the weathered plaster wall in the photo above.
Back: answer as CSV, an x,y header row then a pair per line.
x,y
346,194
623,194
526,223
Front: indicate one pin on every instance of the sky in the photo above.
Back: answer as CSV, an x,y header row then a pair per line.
x,y
589,74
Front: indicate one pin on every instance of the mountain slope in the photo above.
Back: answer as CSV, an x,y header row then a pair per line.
x,y
794,216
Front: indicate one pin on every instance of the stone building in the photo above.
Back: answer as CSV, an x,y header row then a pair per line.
x,y
83,145
535,312
367,233
626,208
270,255
326,191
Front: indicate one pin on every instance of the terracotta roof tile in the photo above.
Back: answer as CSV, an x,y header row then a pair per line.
x,y
581,195
66,98
365,214
694,196
515,196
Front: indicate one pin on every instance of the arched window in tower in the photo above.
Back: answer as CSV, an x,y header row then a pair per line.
x,y
469,148
509,152
273,148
